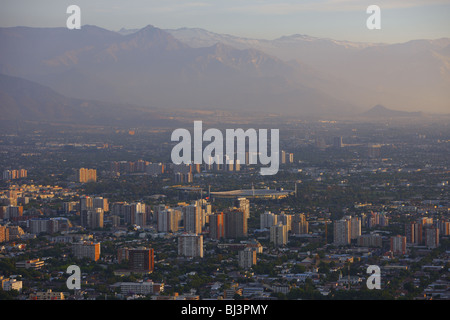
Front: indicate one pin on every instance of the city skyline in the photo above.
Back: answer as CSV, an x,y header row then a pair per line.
x,y
138,233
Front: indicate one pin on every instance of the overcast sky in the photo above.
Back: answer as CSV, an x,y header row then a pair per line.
x,y
401,20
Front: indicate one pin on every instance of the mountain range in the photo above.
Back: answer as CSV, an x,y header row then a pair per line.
x,y
408,76
198,69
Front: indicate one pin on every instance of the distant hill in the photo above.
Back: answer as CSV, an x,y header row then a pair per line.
x,y
24,100
380,111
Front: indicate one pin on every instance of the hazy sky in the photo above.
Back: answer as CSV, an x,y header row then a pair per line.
x,y
401,20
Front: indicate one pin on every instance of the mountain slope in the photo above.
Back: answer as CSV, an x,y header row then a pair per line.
x,y
380,111
408,76
24,100
152,68
24,49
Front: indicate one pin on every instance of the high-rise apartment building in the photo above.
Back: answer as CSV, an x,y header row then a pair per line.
x,y
247,258
13,212
49,225
140,219
87,175
86,249
43,225
414,232
123,254
141,259
217,226
118,209
70,206
285,219
299,225
205,210
190,245
369,240
86,203
291,157
193,219
279,235
131,212
267,219
342,232
425,221
383,219
14,174
4,234
92,219
168,220
244,205
7,175
432,237
355,227
235,224
398,245
101,203
444,227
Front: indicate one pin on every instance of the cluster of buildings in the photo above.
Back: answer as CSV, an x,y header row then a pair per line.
x,y
10,233
423,231
141,288
373,150
11,212
184,173
86,249
281,225
48,225
21,195
8,284
426,231
14,174
87,175
196,226
192,218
